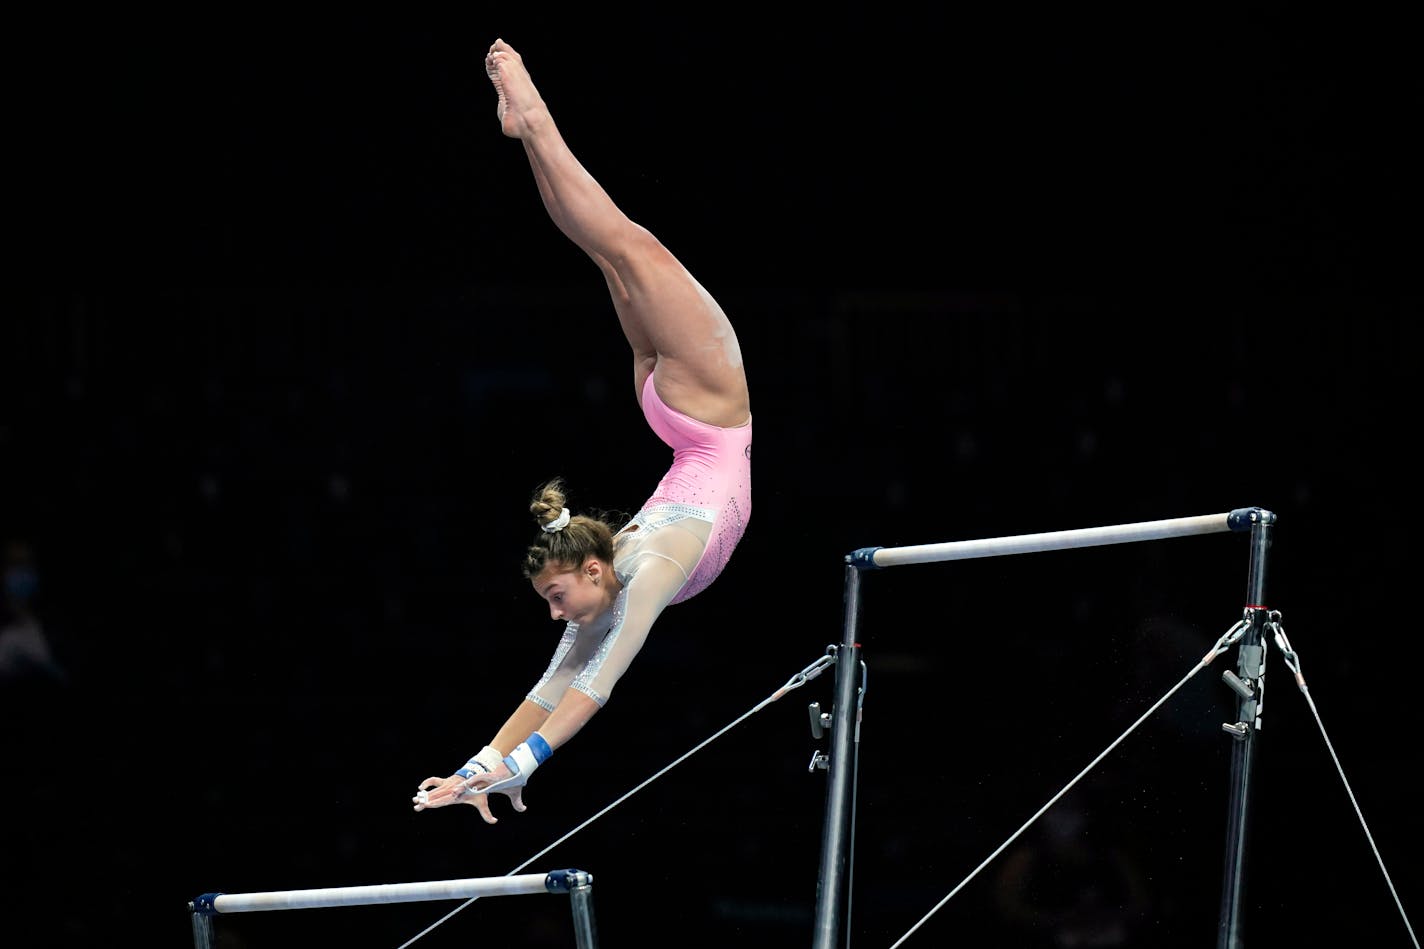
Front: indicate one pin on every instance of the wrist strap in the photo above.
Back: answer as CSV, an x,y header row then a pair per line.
x,y
531,753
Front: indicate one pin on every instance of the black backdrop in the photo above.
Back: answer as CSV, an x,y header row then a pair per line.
x,y
292,340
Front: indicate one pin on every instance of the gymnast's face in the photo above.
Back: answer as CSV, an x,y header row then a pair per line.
x,y
575,594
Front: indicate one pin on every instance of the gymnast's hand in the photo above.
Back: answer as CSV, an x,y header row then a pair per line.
x,y
438,792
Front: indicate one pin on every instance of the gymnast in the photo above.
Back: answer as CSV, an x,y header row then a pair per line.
x,y
607,586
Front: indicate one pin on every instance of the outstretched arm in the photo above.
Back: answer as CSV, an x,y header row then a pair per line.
x,y
569,716
532,733
551,709
556,728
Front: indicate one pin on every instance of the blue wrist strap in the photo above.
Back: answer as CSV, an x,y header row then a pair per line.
x,y
539,746
530,754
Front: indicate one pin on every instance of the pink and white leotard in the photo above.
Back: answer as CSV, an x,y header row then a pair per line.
x,y
710,479
670,551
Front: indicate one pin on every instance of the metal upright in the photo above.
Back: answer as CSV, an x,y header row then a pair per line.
x,y
832,891
1248,683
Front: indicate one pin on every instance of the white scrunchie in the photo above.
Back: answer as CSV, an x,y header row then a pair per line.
x,y
558,523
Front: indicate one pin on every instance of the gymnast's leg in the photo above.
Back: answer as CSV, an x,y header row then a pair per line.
x,y
670,321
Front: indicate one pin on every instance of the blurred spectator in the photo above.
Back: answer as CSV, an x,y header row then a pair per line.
x,y
25,654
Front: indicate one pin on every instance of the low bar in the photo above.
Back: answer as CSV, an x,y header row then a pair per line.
x,y
869,558
223,903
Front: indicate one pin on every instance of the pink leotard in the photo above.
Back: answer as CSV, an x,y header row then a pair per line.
x,y
710,479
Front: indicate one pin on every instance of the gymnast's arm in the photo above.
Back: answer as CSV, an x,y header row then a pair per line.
x,y
551,705
581,675
598,665
648,593
526,719
573,699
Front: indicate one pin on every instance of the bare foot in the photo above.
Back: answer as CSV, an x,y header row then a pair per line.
x,y
520,110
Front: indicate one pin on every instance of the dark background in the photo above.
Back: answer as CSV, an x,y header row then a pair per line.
x,y
291,341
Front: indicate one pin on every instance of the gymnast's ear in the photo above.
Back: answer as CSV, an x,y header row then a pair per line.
x,y
593,569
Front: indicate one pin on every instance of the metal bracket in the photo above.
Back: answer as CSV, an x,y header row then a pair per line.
x,y
1238,685
820,721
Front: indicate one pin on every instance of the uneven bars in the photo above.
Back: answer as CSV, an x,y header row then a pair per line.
x,y
870,558
559,881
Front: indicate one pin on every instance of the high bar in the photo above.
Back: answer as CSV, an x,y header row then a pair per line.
x,y
1241,519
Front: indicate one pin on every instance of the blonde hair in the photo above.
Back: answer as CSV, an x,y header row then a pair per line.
x,y
583,537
